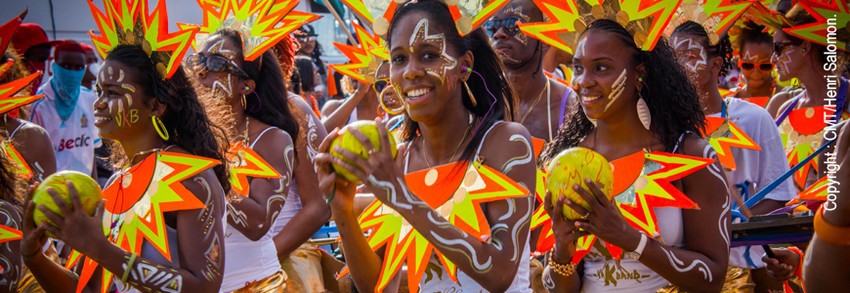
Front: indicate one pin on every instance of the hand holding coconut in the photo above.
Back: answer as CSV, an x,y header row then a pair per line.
x,y
70,209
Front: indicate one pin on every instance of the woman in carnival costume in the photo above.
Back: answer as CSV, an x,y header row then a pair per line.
x,y
638,110
453,205
163,213
236,64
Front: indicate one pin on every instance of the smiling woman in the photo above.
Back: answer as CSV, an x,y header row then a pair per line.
x,y
461,194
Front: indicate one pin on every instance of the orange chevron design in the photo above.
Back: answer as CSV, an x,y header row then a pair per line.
x,y
20,168
8,100
658,192
159,192
816,192
716,16
723,134
564,27
802,132
128,22
295,19
761,101
363,59
816,32
541,219
377,13
261,23
403,244
9,234
244,163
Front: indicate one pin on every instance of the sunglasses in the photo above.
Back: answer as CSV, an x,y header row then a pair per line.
x,y
763,66
509,24
215,63
779,47
305,38
380,85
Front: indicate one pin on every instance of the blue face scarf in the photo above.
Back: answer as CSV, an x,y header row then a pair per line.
x,y
66,85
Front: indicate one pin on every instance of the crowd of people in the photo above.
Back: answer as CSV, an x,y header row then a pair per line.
x,y
214,147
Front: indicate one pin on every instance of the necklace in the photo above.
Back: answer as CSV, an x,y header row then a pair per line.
x,y
247,127
539,96
145,152
425,158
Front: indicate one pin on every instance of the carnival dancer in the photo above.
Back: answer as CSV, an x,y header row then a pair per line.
x,y
757,83
453,206
163,213
234,62
742,133
639,111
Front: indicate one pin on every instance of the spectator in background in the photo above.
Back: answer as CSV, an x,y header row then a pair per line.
x,y
31,42
310,80
92,66
310,48
66,111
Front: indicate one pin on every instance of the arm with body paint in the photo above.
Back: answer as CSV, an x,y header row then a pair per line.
x,y
38,150
10,251
314,212
700,265
200,269
254,215
509,219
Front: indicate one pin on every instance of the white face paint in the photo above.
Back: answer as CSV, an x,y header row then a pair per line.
x,y
421,35
691,55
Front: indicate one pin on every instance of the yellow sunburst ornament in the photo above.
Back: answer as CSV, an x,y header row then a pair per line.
x,y
567,19
8,100
260,23
244,163
716,16
127,22
455,191
137,201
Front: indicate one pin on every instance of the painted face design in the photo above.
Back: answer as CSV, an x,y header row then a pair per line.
x,y
421,35
783,62
691,56
224,83
122,113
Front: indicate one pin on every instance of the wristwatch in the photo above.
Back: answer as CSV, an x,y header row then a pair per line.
x,y
639,250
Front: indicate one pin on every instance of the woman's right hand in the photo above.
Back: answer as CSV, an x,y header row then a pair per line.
x,y
565,230
34,238
338,191
784,266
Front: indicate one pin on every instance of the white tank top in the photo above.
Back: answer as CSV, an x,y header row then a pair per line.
x,y
246,260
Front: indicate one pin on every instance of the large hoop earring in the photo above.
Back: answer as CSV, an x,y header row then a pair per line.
x,y
471,96
160,128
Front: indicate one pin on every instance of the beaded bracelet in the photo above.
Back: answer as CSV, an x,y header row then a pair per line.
x,y
565,270
128,268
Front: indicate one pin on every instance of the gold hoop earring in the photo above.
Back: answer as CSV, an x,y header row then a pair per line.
x,y
160,128
471,96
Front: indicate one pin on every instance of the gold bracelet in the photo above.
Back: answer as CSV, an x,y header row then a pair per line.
x,y
565,270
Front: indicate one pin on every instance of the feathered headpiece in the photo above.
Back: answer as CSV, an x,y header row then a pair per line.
x,y
716,16
363,59
127,22
260,23
467,14
8,100
8,29
644,19
831,27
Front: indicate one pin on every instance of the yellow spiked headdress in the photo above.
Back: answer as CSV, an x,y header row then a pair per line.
x,y
830,15
644,19
757,12
715,16
260,23
8,100
127,22
363,59
467,14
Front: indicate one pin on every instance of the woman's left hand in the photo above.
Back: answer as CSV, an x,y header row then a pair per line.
x,y
73,225
379,172
604,218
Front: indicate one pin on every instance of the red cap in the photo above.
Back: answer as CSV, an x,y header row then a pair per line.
x,y
29,35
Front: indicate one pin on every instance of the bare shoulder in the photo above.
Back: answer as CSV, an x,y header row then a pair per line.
x,y
506,140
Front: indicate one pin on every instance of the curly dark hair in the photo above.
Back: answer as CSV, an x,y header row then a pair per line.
x,y
487,64
184,117
722,49
672,100
270,104
9,182
753,33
